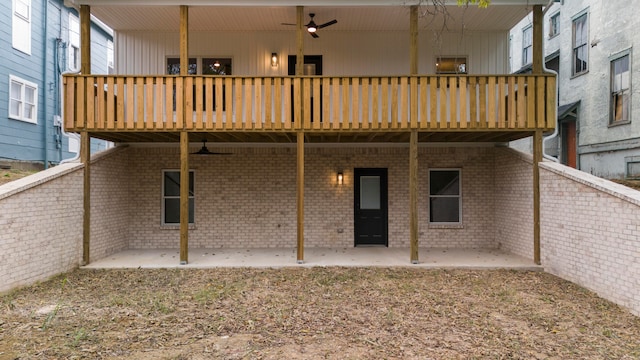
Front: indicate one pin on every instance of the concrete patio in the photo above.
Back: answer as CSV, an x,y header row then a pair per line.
x,y
278,257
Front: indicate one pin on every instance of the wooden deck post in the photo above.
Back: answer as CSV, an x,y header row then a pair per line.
x,y
413,47
300,40
85,137
413,195
538,52
537,158
184,197
85,157
184,143
300,196
537,68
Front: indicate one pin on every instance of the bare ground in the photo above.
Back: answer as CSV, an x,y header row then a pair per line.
x,y
318,313
10,175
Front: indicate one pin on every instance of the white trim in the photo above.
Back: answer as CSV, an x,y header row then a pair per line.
x,y
23,83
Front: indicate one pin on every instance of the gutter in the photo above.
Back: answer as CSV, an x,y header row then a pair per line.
x,y
64,133
555,110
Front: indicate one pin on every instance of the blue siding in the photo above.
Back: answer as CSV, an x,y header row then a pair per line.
x,y
26,141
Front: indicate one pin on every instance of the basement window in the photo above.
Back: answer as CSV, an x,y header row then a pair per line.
x,y
171,197
445,200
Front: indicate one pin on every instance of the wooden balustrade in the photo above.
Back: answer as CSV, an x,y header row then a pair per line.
x,y
212,103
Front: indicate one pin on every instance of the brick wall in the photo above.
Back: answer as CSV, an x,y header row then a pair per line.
x,y
513,226
248,199
591,233
41,222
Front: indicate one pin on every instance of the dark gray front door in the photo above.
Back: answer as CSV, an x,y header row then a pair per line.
x,y
370,204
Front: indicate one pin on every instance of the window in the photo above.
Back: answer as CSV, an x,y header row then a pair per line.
x,y
620,89
171,197
444,196
23,100
74,42
451,65
554,25
209,66
527,45
21,26
110,56
580,63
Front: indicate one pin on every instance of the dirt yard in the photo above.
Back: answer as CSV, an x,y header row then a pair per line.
x,y
318,313
10,175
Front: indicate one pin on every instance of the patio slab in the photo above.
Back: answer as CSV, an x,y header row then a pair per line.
x,y
347,257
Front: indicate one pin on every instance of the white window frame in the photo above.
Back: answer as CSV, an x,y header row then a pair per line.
x,y
165,197
459,196
554,25
73,57
613,93
576,47
20,99
527,45
21,25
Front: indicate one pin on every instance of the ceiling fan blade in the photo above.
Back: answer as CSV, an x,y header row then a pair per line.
x,y
315,36
334,21
288,24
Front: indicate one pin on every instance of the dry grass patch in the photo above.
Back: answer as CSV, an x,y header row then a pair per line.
x,y
8,175
318,313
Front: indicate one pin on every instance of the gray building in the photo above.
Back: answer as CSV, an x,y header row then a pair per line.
x,y
590,44
40,40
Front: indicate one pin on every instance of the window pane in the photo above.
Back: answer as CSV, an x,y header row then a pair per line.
x,y
370,192
29,94
172,211
221,66
172,183
444,182
14,108
29,112
173,66
16,90
444,209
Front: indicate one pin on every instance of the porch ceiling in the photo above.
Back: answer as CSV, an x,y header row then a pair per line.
x,y
124,16
315,137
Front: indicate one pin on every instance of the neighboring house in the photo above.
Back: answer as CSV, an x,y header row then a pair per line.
x,y
590,44
40,40
386,127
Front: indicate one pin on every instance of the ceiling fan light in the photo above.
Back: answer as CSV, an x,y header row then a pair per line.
x,y
312,28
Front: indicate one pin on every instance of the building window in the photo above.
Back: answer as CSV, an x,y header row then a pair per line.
x,y
23,100
110,56
527,45
21,26
171,197
451,65
74,42
444,196
620,89
203,66
580,63
554,25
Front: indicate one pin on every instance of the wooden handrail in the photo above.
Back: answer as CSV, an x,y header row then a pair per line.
x,y
239,103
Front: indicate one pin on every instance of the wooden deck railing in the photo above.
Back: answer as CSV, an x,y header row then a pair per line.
x,y
210,103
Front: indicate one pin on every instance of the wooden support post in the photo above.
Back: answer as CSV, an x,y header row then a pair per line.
x,y
300,40
538,52
413,43
413,195
85,39
184,197
184,40
85,157
300,197
537,158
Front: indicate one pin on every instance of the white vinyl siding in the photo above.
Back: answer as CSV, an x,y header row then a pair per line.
x,y
21,26
23,100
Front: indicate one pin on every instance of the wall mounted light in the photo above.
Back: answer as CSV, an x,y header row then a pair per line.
x,y
274,59
340,178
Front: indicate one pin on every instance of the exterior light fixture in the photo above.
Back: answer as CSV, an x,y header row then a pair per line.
x,y
274,60
340,178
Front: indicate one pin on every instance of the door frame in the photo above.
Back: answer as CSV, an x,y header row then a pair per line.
x,y
384,201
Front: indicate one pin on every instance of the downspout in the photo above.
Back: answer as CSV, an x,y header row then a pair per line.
x,y
555,110
45,11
